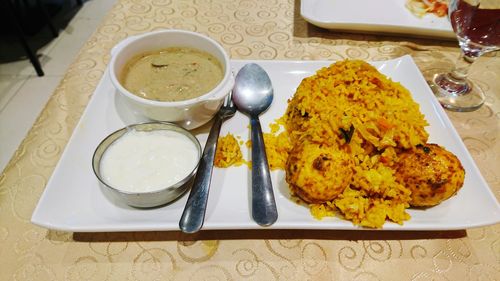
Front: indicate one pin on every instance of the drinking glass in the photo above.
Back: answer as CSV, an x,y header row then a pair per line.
x,y
476,24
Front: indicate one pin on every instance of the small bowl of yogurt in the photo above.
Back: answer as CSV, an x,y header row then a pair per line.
x,y
147,165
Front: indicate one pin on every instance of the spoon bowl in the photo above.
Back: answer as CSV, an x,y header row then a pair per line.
x,y
253,94
253,90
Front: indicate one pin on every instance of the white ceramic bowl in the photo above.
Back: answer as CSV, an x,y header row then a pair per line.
x,y
188,113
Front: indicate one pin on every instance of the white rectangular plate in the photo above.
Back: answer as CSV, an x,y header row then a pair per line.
x,y
372,16
73,200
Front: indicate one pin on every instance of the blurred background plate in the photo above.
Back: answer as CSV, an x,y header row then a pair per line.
x,y
368,16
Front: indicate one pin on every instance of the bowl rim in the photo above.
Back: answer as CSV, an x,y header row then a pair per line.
x,y
226,82
128,128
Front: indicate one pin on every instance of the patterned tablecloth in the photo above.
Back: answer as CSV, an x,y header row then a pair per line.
x,y
248,29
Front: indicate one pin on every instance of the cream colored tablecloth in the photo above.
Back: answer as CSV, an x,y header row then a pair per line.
x,y
248,29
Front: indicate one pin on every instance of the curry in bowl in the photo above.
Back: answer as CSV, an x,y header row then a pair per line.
x,y
172,74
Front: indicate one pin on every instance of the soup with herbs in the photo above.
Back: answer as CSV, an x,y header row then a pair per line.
x,y
172,74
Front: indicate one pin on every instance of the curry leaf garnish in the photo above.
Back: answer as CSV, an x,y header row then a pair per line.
x,y
347,134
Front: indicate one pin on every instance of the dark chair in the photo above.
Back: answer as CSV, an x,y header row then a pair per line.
x,y
46,15
17,11
14,20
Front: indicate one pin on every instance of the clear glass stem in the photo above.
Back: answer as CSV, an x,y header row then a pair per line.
x,y
453,90
462,66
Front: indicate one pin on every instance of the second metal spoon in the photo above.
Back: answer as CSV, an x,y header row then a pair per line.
x,y
253,94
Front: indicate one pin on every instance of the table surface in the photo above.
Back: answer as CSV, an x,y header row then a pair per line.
x,y
247,29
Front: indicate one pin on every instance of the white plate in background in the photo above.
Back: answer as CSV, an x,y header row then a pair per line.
x,y
374,16
73,201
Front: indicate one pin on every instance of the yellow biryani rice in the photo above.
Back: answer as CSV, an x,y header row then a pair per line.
x,y
350,107
277,145
228,152
353,108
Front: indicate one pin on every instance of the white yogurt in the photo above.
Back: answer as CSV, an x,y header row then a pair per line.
x,y
142,161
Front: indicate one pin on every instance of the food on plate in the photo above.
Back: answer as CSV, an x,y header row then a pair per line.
x,y
277,144
353,108
318,173
432,173
355,146
228,152
145,161
172,74
422,7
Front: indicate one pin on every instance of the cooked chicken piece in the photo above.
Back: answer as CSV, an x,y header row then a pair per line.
x,y
318,173
432,173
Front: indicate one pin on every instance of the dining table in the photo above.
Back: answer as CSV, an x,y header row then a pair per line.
x,y
248,30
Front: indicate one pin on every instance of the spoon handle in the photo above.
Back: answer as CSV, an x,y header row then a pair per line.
x,y
194,212
264,210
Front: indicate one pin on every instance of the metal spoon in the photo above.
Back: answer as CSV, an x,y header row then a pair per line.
x,y
253,94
